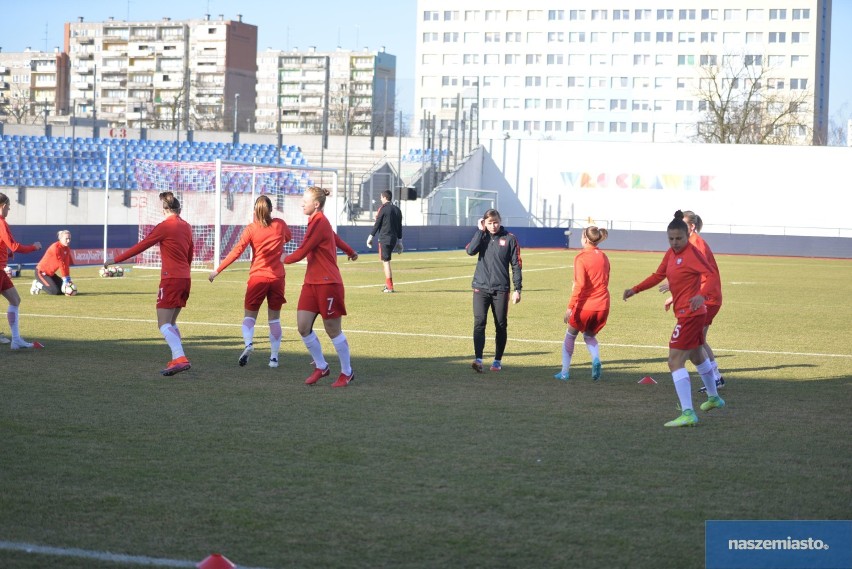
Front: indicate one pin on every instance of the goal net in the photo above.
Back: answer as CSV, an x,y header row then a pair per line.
x,y
217,200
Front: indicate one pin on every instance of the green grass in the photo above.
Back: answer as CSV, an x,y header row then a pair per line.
x,y
421,462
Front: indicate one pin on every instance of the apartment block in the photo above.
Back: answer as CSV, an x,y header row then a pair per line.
x,y
33,85
355,88
614,70
198,74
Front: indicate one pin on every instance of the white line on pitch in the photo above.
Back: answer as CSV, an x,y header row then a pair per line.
x,y
443,336
100,555
466,276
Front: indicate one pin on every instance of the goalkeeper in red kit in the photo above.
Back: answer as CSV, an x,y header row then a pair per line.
x,y
58,258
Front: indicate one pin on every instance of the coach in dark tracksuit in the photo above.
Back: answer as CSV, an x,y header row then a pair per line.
x,y
389,227
498,250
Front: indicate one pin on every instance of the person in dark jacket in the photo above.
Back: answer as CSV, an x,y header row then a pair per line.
x,y
388,225
497,250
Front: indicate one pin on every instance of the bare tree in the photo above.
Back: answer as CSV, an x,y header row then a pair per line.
x,y
744,104
18,106
837,126
346,102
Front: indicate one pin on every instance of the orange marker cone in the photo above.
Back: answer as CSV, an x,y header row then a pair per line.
x,y
216,561
647,380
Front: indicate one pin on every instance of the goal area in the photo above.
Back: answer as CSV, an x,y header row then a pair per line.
x,y
217,200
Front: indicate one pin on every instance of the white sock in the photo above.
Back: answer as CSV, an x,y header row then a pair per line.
x,y
314,347
705,368
682,387
716,373
274,338
12,317
593,346
248,330
567,350
172,339
342,347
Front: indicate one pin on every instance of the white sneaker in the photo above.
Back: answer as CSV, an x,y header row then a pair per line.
x,y
273,362
4,339
244,357
35,289
21,343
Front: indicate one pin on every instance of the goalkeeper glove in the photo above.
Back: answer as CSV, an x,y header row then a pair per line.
x,y
399,248
67,280
370,241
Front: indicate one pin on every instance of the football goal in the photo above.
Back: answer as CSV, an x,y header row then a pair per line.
x,y
217,199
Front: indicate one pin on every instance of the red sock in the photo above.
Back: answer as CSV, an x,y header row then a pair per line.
x,y
389,284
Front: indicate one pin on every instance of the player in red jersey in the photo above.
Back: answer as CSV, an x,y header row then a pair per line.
x,y
174,236
267,237
685,268
322,293
588,307
7,287
57,258
714,299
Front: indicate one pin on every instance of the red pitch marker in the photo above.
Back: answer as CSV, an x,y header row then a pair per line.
x,y
647,380
216,561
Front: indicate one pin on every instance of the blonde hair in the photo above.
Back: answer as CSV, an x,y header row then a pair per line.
x,y
595,234
263,210
319,194
62,232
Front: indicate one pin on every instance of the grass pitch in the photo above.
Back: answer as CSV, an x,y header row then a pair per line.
x,y
420,462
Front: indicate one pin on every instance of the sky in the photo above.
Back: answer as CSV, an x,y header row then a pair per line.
x,y
325,24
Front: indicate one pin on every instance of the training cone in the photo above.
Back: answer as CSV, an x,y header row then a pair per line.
x,y
216,561
647,380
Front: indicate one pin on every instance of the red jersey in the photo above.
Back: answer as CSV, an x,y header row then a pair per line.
x,y
591,281
58,257
320,247
685,272
8,242
267,245
715,289
174,236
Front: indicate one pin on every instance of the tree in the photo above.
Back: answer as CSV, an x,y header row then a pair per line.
x,y
18,105
837,127
742,103
346,101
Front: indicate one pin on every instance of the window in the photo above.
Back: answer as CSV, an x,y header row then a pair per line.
x,y
686,37
599,15
492,37
575,15
641,82
512,59
597,82
777,60
620,82
751,60
575,82
597,59
532,81
777,37
513,37
708,37
471,15
511,125
574,104
448,103
638,127
450,15
430,37
663,59
641,37
620,37
775,84
709,14
730,37
688,59
639,105
491,59
595,126
511,103
490,103
618,104
533,15
576,37
472,37
555,15
620,59
621,14
801,14
686,14
733,15
665,14
755,15
797,60
558,37
777,14
597,37
662,82
532,125
572,126
532,103
754,37
449,81
553,103
533,58
641,59
492,15
430,15
451,37
470,58
641,14
798,83
511,81
555,59
451,59
514,16
550,126
683,82
576,59
709,60
799,37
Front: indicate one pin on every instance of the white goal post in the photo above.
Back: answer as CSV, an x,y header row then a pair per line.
x,y
217,200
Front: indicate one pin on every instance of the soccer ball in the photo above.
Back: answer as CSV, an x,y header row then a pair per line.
x,y
69,289
104,272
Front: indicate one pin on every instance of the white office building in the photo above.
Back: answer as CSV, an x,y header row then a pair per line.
x,y
614,70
